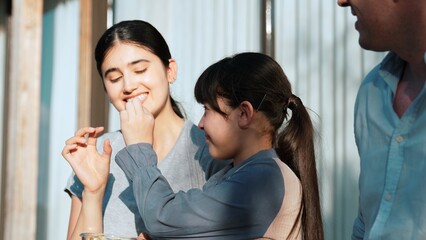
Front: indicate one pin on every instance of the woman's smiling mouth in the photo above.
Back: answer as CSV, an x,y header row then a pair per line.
x,y
140,97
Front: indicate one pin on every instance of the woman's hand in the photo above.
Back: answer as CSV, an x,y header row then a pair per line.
x,y
137,123
91,168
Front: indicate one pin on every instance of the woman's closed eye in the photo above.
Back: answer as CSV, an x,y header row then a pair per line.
x,y
114,78
140,71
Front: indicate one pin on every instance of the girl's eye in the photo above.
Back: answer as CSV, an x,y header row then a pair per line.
x,y
206,110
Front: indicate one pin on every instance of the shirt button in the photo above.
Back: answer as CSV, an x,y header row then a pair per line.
x,y
388,197
399,138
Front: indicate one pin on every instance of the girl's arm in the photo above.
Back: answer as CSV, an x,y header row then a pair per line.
x,y
241,205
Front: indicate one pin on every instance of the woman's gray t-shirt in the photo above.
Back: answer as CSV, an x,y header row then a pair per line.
x,y
186,166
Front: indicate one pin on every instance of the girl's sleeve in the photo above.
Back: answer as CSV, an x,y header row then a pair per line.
x,y
235,208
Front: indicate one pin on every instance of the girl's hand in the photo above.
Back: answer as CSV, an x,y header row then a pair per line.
x,y
143,236
91,168
137,123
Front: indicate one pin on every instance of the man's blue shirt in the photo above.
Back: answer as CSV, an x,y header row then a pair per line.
x,y
392,183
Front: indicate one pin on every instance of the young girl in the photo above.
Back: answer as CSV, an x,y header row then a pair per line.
x,y
269,191
134,62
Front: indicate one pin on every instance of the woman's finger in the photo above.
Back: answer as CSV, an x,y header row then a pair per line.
x,y
83,131
107,149
76,140
68,149
91,137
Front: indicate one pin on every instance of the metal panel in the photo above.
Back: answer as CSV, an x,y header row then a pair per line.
x,y
59,118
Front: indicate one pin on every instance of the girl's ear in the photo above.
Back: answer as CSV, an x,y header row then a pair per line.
x,y
246,114
172,71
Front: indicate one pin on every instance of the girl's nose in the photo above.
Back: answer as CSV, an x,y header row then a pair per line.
x,y
201,124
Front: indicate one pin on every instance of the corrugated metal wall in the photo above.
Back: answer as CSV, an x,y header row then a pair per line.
x,y
318,47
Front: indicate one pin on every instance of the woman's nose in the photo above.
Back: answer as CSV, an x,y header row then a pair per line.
x,y
129,84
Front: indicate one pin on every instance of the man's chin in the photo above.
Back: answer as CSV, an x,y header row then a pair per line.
x,y
368,45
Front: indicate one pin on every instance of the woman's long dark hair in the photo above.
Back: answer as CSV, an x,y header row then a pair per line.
x,y
259,79
139,33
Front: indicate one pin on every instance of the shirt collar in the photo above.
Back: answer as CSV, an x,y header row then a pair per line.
x,y
391,69
268,153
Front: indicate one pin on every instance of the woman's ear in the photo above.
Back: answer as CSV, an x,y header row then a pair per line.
x,y
172,71
246,114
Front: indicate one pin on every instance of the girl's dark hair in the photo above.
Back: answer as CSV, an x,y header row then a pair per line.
x,y
259,79
141,34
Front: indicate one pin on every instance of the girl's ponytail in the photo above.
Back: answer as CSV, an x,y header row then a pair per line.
x,y
295,147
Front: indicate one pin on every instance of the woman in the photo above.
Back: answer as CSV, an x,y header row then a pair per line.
x,y
134,62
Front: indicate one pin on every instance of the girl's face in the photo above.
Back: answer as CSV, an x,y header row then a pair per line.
x,y
130,71
222,135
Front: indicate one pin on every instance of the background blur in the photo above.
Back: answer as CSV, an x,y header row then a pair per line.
x,y
44,101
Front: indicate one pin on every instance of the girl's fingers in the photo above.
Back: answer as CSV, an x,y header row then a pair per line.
x,y
130,113
130,109
134,108
137,106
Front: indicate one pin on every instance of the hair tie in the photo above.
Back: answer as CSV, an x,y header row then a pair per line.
x,y
293,102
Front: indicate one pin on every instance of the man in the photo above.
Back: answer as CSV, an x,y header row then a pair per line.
x,y
390,120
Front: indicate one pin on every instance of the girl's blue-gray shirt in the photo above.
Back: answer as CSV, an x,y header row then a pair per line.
x,y
186,166
258,198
